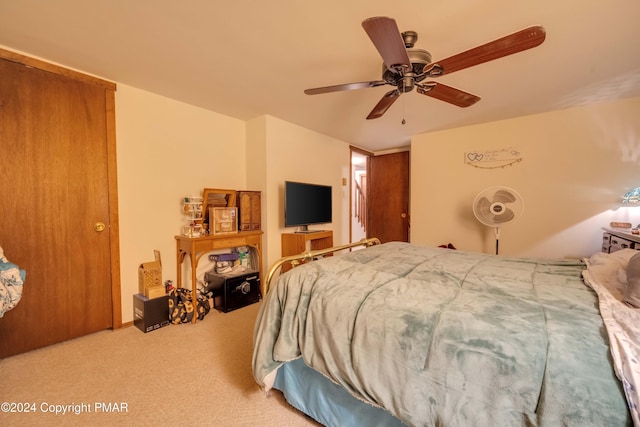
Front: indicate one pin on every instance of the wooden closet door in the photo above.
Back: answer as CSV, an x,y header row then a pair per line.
x,y
388,197
54,182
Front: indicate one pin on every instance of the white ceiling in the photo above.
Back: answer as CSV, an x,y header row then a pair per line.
x,y
246,58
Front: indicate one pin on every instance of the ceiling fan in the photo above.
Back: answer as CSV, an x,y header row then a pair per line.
x,y
405,67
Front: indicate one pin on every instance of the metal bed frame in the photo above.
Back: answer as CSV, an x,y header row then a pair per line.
x,y
296,260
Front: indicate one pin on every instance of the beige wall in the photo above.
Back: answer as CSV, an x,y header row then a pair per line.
x,y
293,153
576,163
166,150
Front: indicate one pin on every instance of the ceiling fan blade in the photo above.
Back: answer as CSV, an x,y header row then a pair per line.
x,y
447,94
386,37
508,45
346,86
383,105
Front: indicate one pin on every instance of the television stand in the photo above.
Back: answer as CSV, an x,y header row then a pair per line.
x,y
304,229
300,242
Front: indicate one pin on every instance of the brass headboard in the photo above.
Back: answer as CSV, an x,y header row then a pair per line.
x,y
310,255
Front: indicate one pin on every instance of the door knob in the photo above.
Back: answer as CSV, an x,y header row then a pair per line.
x,y
99,226
403,215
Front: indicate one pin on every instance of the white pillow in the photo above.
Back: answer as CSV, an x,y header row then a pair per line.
x,y
631,293
610,270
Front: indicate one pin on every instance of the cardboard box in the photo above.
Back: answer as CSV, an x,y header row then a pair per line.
x,y
150,274
155,291
150,314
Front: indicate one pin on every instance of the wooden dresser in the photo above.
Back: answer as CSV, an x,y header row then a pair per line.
x,y
617,239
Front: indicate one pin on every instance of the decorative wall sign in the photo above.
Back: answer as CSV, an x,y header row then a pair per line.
x,y
491,159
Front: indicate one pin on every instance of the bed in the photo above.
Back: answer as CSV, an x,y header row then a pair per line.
x,y
401,334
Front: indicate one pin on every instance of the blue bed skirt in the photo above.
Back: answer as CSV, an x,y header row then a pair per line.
x,y
310,392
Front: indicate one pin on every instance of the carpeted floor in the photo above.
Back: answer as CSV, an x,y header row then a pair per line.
x,y
191,374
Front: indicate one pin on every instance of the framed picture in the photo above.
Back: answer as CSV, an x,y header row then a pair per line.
x,y
223,221
216,198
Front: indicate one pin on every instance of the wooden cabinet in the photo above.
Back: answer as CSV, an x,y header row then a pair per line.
x,y
297,243
249,210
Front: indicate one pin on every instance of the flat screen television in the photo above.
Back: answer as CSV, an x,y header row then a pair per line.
x,y
306,204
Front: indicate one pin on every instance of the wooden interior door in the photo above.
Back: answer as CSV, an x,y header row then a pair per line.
x,y
54,175
388,197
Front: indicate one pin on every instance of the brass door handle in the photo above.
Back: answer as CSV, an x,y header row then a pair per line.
x,y
99,226
403,215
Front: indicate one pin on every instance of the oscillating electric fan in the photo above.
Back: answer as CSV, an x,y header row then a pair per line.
x,y
496,206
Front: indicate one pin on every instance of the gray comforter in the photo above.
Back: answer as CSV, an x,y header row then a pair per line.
x,y
444,337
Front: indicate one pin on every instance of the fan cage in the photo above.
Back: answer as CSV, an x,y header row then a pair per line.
x,y
497,206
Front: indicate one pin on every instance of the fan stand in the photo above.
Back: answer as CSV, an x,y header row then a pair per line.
x,y
497,232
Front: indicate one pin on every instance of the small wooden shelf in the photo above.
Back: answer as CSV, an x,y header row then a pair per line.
x,y
297,243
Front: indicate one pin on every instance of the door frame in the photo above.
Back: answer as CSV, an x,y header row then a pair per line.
x,y
353,149
110,115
